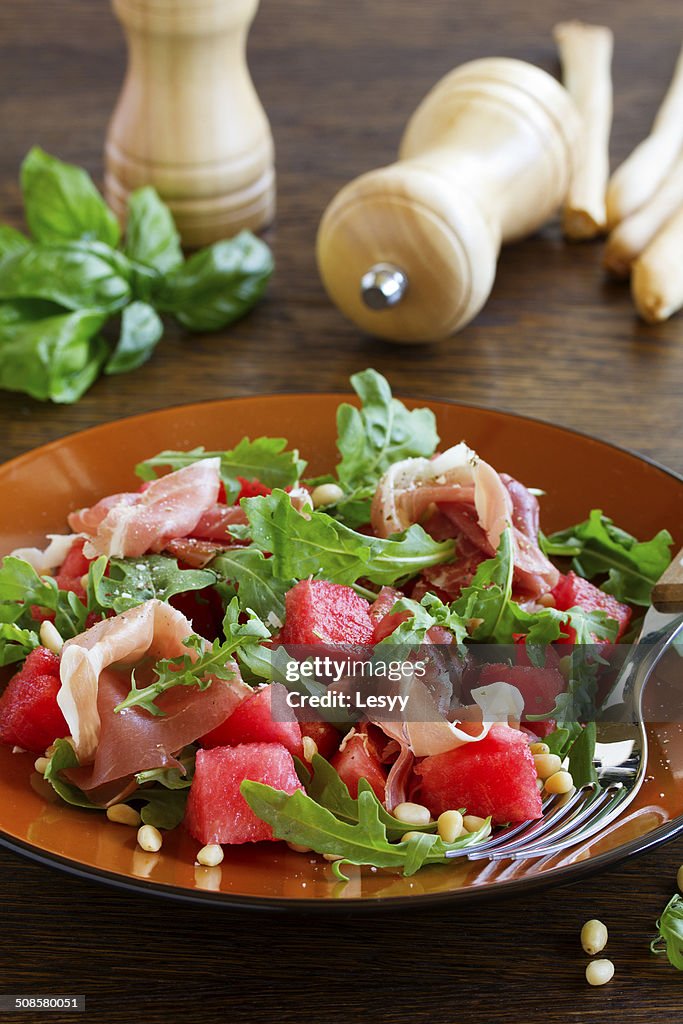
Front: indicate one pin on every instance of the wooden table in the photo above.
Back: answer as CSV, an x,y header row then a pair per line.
x,y
556,341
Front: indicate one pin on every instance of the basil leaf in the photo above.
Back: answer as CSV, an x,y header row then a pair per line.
x,y
252,574
73,274
670,928
65,757
372,438
11,241
131,582
598,547
217,285
56,358
319,546
141,329
61,202
265,459
151,235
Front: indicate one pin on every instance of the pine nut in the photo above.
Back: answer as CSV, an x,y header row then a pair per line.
x,y
310,748
122,814
547,765
41,764
407,836
679,877
149,838
50,637
412,814
473,822
326,494
593,937
449,825
210,856
298,848
331,857
565,665
546,601
559,783
539,748
599,972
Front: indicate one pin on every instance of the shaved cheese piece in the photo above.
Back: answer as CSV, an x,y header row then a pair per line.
x,y
499,702
153,628
45,559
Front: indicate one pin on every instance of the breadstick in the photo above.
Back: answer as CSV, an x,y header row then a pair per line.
x,y
640,175
629,238
657,278
586,57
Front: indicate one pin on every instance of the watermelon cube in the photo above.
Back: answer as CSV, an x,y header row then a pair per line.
x,y
385,621
29,714
495,776
318,612
359,759
216,810
573,591
252,721
538,686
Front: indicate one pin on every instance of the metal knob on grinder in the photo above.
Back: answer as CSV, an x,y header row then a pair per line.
x,y
408,252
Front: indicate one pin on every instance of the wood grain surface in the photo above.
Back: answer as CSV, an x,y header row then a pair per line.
x,y
556,341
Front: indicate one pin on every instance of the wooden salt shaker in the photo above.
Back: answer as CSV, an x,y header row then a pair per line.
x,y
188,119
409,252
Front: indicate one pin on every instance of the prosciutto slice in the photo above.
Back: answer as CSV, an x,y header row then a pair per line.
x,y
153,630
480,503
135,741
128,525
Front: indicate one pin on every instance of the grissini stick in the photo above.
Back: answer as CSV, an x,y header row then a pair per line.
x,y
586,58
635,233
641,174
188,120
657,277
408,252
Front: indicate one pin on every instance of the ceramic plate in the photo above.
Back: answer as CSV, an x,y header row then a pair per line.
x,y
576,472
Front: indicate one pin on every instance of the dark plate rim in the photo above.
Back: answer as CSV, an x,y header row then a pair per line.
x,y
561,876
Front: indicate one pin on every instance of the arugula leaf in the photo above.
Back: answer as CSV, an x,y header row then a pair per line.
x,y
55,358
151,235
75,275
561,739
64,756
21,587
372,438
300,819
209,663
141,329
133,581
425,614
318,545
217,285
265,459
171,778
61,202
327,789
598,547
670,928
252,574
26,311
11,240
15,642
581,756
163,808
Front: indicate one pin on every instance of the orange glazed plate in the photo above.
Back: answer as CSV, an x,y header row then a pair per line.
x,y
576,472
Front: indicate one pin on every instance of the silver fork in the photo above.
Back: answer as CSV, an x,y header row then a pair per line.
x,y
620,763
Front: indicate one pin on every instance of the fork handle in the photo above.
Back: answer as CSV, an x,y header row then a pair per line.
x,y
667,595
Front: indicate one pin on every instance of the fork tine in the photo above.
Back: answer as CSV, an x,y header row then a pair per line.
x,y
506,834
561,808
600,810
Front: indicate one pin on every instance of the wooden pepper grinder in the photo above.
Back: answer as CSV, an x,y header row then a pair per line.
x,y
408,252
188,120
